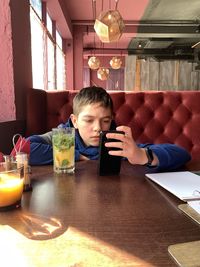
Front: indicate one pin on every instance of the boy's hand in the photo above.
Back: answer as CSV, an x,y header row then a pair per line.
x,y
129,149
83,158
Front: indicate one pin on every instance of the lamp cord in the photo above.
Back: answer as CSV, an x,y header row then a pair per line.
x,y
94,18
102,5
116,4
94,9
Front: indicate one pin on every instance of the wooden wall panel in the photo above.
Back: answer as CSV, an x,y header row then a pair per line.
x,y
165,75
130,68
195,80
185,75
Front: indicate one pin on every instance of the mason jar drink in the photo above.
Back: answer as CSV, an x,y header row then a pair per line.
x,y
63,141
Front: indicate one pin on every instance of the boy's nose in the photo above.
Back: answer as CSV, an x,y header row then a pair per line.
x,y
97,127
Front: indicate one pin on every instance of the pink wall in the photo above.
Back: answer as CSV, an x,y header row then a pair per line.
x,y
22,66
78,56
105,62
15,69
69,65
7,94
15,59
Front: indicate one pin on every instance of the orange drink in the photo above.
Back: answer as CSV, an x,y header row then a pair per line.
x,y
11,184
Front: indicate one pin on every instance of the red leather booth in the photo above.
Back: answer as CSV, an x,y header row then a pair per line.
x,y
154,116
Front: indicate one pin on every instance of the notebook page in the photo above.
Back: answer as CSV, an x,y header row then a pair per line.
x,y
185,185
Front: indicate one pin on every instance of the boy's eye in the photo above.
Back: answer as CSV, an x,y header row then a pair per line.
x,y
91,121
106,121
88,121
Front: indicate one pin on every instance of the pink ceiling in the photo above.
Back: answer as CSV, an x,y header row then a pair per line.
x,y
82,9
81,12
154,33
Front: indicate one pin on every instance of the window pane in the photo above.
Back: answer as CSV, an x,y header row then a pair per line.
x,y
60,71
86,77
58,39
51,64
116,79
37,5
37,51
49,24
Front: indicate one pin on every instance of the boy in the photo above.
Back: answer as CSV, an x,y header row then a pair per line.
x,y
92,113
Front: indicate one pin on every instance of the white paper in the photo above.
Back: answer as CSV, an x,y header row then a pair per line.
x,y
185,185
195,205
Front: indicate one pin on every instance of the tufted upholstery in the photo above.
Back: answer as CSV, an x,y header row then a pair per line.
x,y
155,117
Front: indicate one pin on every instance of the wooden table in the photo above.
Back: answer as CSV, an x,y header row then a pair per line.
x,y
126,220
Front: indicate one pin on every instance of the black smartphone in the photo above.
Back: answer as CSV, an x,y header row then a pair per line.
x,y
108,164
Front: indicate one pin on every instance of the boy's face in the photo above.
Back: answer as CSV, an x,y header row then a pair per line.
x,y
92,119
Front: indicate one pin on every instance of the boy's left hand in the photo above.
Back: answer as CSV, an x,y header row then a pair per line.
x,y
83,158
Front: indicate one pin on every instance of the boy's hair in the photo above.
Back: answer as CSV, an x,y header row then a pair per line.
x,y
91,95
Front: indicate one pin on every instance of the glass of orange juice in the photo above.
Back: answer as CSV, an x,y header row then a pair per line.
x,y
11,185
63,141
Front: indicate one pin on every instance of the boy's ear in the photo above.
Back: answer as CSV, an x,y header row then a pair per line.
x,y
74,120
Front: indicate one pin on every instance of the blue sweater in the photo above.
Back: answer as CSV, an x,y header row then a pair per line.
x,y
170,156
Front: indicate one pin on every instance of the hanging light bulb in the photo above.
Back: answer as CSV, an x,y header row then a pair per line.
x,y
94,63
103,74
109,26
116,63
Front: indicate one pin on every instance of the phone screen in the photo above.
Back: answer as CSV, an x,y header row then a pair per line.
x,y
108,164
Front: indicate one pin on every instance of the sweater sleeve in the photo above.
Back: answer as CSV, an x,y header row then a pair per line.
x,y
170,156
41,151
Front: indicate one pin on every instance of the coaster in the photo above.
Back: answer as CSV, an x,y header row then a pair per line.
x,y
190,212
186,254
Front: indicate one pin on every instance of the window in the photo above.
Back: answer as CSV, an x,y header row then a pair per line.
x,y
116,79
49,24
60,66
48,58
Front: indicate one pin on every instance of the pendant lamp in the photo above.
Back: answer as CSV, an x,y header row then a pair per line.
x,y
103,74
115,63
93,63
109,26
